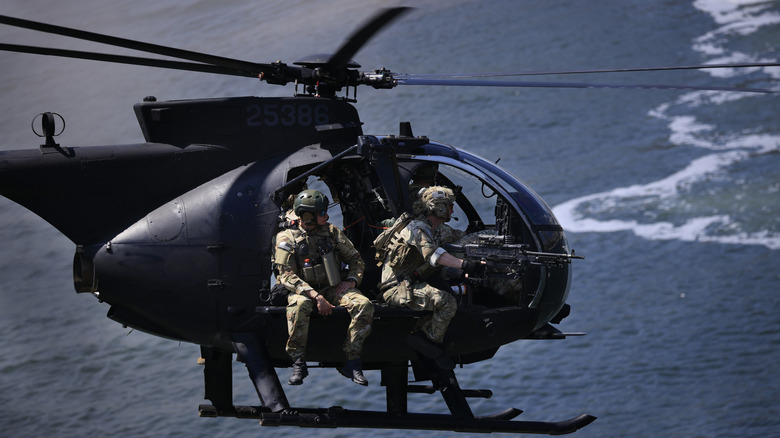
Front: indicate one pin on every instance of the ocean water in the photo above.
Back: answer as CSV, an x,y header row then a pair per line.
x,y
672,196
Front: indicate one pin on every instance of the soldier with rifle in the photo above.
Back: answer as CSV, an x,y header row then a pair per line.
x,y
411,253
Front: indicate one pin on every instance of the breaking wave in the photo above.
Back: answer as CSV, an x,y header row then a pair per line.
x,y
682,206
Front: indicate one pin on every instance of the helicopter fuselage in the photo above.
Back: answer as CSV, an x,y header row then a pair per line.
x,y
175,234
195,267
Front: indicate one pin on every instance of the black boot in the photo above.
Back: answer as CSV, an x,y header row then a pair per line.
x,y
354,370
299,372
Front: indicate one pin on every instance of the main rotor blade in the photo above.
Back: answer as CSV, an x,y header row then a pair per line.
x,y
361,37
135,45
568,72
132,60
524,84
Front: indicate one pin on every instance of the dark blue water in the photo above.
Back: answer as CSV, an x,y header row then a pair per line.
x,y
672,196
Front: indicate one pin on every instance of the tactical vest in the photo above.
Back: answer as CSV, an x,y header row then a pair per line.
x,y
382,243
313,258
404,259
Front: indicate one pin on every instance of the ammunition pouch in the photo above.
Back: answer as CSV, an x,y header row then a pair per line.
x,y
397,254
397,292
315,274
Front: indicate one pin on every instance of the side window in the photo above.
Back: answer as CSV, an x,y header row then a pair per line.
x,y
334,211
480,198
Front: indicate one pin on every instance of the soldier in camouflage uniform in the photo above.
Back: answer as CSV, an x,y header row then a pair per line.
x,y
308,258
412,255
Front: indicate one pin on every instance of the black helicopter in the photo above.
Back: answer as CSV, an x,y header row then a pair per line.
x,y
182,249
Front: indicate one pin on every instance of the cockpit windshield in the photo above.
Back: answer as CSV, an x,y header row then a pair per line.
x,y
483,186
480,197
537,211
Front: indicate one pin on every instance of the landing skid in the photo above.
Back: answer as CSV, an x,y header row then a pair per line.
x,y
276,411
337,416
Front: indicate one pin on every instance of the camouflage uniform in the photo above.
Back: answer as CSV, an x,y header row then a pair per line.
x,y
293,246
411,251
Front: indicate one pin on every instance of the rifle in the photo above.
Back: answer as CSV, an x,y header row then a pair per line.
x,y
505,259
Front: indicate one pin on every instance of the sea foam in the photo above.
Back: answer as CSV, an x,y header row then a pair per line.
x,y
584,214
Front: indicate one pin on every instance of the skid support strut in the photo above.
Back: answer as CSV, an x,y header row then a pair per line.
x,y
394,377
252,351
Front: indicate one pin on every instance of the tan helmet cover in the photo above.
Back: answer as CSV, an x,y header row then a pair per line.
x,y
437,201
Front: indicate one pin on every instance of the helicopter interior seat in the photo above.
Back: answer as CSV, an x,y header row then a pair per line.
x,y
381,310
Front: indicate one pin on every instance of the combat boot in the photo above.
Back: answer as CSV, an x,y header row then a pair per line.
x,y
354,370
299,372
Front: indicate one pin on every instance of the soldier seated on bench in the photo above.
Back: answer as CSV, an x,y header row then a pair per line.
x,y
308,258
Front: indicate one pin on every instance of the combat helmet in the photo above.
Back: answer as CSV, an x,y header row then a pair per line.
x,y
310,201
437,201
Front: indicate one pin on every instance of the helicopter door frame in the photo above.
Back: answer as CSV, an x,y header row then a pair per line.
x,y
510,200
463,202
484,178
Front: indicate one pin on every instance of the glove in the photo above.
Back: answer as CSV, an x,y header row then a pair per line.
x,y
470,267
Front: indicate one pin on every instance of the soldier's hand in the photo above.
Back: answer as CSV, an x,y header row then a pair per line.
x,y
472,268
344,286
323,306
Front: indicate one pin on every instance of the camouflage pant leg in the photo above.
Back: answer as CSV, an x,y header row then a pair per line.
x,y
443,305
361,312
299,310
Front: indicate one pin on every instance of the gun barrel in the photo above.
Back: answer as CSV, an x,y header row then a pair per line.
x,y
515,252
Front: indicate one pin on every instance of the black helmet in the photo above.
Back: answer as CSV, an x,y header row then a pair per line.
x,y
312,201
